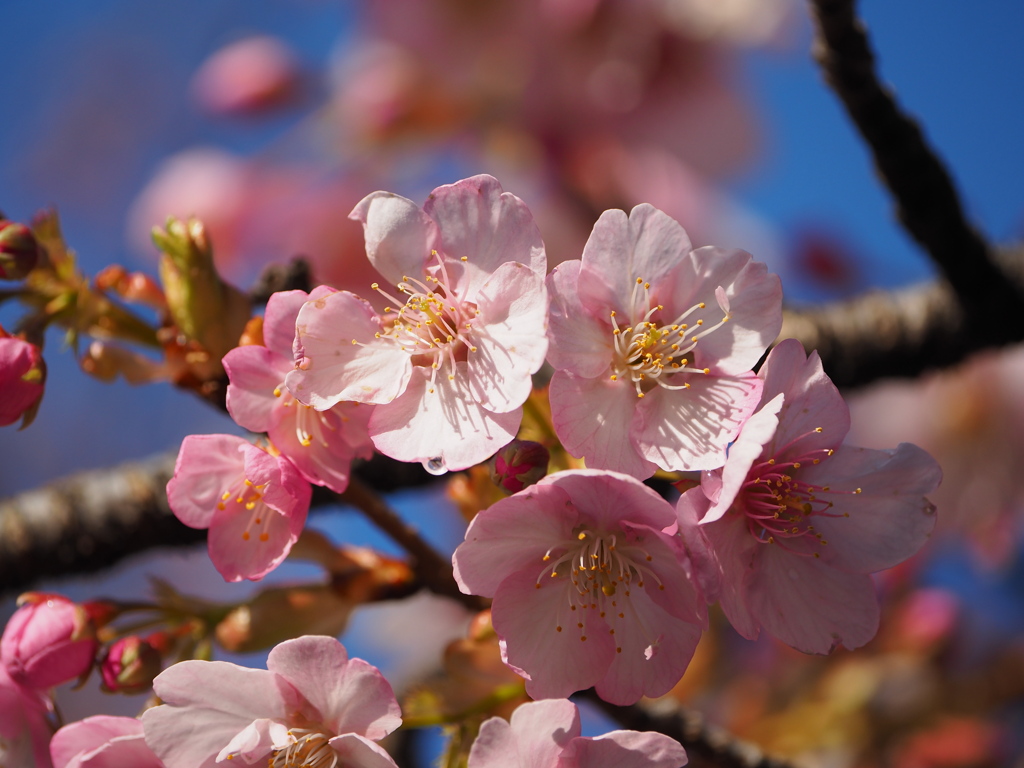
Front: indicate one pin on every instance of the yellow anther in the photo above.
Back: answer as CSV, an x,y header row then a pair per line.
x,y
464,258
277,391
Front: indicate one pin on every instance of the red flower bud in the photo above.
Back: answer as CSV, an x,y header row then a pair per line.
x,y
519,464
49,640
19,251
22,373
130,665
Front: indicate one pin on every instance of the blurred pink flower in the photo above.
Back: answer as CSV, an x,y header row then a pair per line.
x,y
25,727
450,366
591,586
257,212
798,520
313,704
971,419
321,444
248,76
48,641
22,373
646,374
254,504
546,734
102,741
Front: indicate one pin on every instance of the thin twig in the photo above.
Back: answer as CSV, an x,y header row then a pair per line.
x,y
433,570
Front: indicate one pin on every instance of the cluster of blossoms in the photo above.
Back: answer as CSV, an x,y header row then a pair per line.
x,y
597,581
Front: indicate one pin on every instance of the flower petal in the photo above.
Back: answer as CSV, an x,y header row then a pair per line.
x,y
399,235
510,335
593,418
358,752
444,424
207,465
556,663
889,519
486,226
279,321
211,702
495,747
648,244
254,372
736,550
754,298
656,648
690,429
512,535
807,604
628,749
609,497
726,482
351,695
812,402
330,368
89,735
580,342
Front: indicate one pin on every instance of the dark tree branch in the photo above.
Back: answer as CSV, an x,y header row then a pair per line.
x,y
900,333
926,201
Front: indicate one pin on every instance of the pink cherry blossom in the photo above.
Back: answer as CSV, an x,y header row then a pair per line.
x,y
102,741
591,586
312,706
653,344
798,520
546,734
25,727
321,444
254,504
48,641
21,378
449,364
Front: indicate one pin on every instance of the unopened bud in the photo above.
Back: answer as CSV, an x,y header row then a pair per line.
x,y
130,665
22,376
204,307
49,640
19,251
519,465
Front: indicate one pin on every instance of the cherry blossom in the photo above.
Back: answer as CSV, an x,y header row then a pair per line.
x,y
591,586
312,706
654,343
449,364
102,741
546,734
321,444
254,504
25,728
798,520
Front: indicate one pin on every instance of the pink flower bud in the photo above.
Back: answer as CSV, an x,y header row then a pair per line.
x,y
519,464
19,251
130,665
22,373
49,640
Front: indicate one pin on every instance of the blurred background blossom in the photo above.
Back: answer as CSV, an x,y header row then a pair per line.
x,y
270,120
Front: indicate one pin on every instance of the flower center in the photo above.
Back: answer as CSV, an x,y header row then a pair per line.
x,y
310,424
780,508
599,571
309,749
649,351
244,494
433,325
